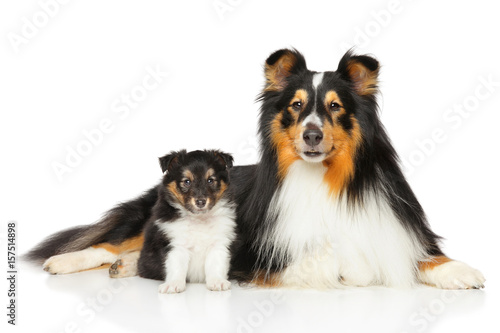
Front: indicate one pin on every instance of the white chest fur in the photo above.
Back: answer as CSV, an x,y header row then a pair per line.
x,y
328,241
194,236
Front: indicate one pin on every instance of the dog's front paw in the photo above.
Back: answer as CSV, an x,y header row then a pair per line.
x,y
172,287
218,284
455,275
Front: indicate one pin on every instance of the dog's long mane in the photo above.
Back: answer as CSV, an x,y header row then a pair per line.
x,y
377,174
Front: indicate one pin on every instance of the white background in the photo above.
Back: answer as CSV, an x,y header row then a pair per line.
x,y
70,73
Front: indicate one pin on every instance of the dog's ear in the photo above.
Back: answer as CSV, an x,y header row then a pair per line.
x,y
362,71
224,158
167,162
280,65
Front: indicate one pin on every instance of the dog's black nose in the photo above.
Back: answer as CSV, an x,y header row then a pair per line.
x,y
200,203
313,137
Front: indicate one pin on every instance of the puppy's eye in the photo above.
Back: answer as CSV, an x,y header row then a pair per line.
x,y
186,182
334,106
297,106
211,181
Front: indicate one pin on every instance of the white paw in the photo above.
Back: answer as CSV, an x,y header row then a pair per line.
x,y
455,275
172,287
218,284
60,264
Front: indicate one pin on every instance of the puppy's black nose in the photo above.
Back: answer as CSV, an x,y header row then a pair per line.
x,y
200,203
312,137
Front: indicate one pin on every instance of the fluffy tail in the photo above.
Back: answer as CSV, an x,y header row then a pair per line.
x,y
122,222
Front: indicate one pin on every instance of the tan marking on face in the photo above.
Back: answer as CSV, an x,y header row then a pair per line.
x,y
300,96
223,188
285,140
172,188
332,96
188,174
131,244
340,162
210,172
284,143
339,145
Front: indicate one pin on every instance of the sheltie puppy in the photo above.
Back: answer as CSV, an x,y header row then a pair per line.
x,y
192,228
188,235
327,205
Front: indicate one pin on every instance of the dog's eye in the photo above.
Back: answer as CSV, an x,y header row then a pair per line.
x,y
334,106
186,182
297,105
211,181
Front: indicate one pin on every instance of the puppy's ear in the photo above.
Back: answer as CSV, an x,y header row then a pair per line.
x,y
167,162
280,65
362,71
226,159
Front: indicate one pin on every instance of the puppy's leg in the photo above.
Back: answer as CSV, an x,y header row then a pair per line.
x,y
445,273
73,262
125,266
176,266
216,269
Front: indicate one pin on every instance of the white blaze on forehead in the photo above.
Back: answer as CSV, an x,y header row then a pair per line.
x,y
313,117
317,79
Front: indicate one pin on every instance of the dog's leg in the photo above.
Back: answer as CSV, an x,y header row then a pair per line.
x,y
176,266
73,262
91,257
445,273
216,268
125,266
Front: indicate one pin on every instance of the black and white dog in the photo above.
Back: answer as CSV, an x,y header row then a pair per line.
x,y
192,228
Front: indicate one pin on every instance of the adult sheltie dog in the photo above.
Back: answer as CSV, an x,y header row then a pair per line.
x,y
327,206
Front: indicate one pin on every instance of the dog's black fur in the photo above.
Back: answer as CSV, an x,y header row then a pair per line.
x,y
375,171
